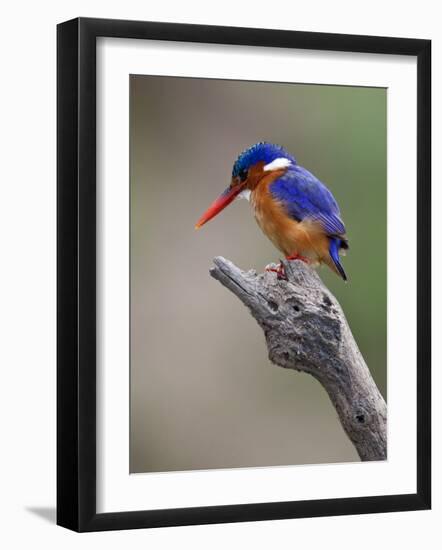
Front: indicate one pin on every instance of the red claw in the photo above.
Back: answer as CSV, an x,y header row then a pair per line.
x,y
280,272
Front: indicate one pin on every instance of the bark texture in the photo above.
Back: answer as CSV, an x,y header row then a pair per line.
x,y
306,330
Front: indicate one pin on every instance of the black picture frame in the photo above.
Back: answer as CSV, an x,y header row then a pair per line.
x,y
76,274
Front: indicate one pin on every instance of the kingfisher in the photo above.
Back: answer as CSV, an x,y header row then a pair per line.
x,y
293,208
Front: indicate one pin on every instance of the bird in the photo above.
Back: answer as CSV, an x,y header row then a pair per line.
x,y
293,208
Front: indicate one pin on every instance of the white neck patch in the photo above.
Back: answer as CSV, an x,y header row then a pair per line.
x,y
277,164
245,194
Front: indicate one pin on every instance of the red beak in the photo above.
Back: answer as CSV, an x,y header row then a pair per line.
x,y
219,204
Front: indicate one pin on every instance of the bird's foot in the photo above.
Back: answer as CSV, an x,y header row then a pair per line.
x,y
280,271
297,256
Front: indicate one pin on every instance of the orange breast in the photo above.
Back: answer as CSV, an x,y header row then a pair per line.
x,y
291,237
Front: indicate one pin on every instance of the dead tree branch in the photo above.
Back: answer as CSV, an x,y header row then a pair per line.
x,y
307,331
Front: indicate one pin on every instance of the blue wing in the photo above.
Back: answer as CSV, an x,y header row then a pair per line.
x,y
305,197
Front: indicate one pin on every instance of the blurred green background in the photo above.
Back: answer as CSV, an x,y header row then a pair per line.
x,y
203,393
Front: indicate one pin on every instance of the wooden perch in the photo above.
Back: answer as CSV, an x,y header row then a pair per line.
x,y
307,331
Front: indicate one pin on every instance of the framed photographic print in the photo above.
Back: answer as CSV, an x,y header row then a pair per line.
x,y
276,362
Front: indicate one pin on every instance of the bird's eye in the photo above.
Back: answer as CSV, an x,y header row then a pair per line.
x,y
243,175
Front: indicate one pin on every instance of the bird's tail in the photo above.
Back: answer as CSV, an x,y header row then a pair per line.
x,y
335,244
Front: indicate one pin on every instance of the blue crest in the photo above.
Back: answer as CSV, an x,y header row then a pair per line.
x,y
262,151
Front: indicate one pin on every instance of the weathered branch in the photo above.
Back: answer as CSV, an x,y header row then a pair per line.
x,y
306,330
